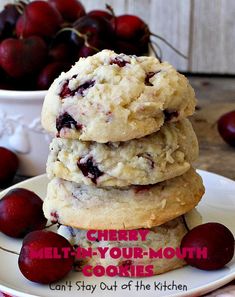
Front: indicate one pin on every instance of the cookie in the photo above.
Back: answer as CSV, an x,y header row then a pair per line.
x,y
113,97
162,155
167,235
89,207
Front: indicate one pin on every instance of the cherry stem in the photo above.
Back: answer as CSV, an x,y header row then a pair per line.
x,y
159,49
110,9
90,46
171,46
159,56
20,5
65,25
52,224
185,223
6,250
71,30
154,51
83,36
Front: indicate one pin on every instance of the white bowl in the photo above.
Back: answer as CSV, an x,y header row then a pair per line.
x,y
21,130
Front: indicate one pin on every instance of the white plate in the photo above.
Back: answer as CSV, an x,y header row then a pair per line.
x,y
218,204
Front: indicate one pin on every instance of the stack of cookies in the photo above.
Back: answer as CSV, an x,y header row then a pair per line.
x,y
122,153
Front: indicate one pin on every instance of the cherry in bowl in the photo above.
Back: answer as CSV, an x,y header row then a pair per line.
x,y
71,10
39,18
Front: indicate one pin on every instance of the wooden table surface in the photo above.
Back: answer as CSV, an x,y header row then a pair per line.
x,y
216,96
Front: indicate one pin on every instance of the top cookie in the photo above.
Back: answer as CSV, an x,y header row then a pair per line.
x,y
115,97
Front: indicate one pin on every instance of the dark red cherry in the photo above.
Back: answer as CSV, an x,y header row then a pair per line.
x,y
20,213
49,73
20,57
8,19
216,238
128,48
94,27
5,85
226,127
94,44
101,13
67,37
39,18
71,10
59,52
47,268
86,51
9,164
62,52
131,27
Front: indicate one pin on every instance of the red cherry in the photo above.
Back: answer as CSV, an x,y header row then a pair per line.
x,y
45,270
94,27
20,213
8,83
21,57
49,73
101,13
8,18
128,48
62,52
39,18
130,27
8,166
218,240
98,43
94,44
86,51
25,83
4,83
226,127
6,86
71,10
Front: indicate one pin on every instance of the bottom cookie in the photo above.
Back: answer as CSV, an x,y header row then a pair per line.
x,y
162,237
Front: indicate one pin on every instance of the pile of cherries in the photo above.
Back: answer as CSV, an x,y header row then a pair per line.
x,y
21,215
39,39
